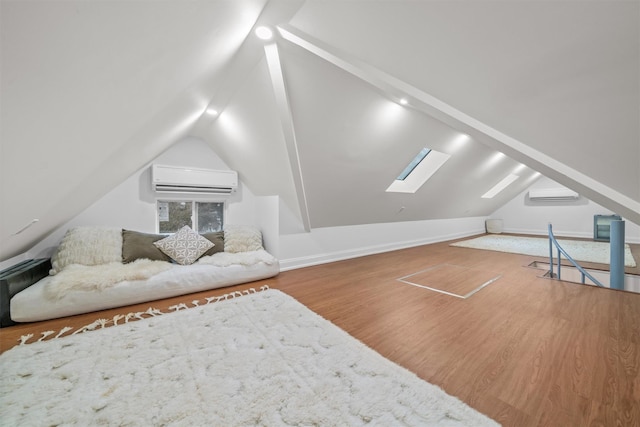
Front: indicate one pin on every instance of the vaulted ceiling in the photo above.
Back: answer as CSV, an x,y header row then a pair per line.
x,y
92,91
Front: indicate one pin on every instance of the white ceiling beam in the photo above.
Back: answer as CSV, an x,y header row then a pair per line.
x,y
422,101
245,59
288,128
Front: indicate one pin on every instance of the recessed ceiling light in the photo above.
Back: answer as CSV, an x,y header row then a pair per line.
x,y
211,111
264,33
404,101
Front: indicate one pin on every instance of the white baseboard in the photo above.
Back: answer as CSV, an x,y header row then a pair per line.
x,y
308,261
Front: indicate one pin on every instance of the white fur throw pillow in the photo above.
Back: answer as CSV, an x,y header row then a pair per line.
x,y
185,246
242,238
88,246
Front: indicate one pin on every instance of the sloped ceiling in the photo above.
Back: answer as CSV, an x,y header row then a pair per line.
x,y
526,79
354,142
559,77
92,91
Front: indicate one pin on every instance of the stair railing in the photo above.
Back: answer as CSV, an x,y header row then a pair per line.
x,y
553,242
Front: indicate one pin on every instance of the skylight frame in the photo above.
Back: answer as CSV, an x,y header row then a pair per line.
x,y
504,183
420,173
413,164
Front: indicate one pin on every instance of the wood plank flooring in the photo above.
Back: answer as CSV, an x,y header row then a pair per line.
x,y
525,350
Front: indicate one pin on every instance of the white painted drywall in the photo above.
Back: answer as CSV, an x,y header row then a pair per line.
x,y
92,91
570,219
266,210
330,244
132,204
13,261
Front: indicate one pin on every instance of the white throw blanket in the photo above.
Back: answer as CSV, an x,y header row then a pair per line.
x,y
78,277
225,259
260,359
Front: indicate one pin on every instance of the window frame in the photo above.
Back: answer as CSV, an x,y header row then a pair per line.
x,y
194,213
422,167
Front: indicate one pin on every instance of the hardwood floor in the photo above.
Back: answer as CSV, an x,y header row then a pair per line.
x,y
525,350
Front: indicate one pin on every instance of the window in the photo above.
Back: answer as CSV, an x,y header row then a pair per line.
x,y
415,162
203,217
418,171
508,180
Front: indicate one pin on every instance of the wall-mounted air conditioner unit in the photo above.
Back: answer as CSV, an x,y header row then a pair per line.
x,y
552,194
174,179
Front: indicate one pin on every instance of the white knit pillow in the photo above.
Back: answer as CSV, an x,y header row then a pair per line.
x,y
88,246
185,246
242,238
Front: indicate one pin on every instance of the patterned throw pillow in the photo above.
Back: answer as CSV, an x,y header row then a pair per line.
x,y
185,246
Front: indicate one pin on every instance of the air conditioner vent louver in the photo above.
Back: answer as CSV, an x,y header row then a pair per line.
x,y
173,179
191,189
552,194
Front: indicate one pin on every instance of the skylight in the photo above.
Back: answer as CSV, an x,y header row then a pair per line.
x,y
415,162
508,180
418,171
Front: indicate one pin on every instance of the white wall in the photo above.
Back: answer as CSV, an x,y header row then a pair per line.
x,y
569,219
266,209
132,204
330,244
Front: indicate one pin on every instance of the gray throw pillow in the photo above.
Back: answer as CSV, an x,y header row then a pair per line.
x,y
217,238
136,245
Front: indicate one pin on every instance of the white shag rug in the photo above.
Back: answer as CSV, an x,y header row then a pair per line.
x,y
260,359
584,250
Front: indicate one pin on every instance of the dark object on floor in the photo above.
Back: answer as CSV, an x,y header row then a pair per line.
x,y
17,278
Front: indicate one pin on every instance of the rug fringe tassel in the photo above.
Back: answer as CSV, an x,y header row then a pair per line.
x,y
63,330
46,334
179,307
25,338
151,312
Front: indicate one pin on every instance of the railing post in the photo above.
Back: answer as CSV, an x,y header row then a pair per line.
x,y
617,255
553,241
559,262
550,251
